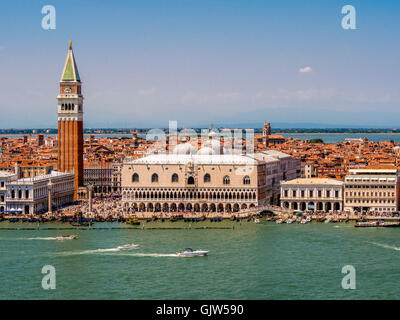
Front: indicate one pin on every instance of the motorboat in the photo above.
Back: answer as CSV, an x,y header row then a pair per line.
x,y
71,237
289,221
256,220
189,252
377,224
303,221
279,221
128,246
328,220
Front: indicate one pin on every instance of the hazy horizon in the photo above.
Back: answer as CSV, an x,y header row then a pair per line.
x,y
202,62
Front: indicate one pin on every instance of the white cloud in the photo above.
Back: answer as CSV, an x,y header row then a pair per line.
x,y
147,92
305,69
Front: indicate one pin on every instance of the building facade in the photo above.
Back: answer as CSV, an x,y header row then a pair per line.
x,y
70,121
5,179
204,182
372,190
315,194
31,195
100,177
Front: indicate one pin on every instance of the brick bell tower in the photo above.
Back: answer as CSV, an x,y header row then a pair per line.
x,y
70,121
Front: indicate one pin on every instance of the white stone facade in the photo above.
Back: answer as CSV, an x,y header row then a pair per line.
x,y
314,194
31,195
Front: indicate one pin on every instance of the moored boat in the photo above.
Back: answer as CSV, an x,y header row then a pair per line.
x,y
376,224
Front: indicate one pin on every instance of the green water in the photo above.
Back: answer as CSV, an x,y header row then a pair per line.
x,y
251,261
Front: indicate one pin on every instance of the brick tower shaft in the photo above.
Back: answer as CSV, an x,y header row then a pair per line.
x,y
70,121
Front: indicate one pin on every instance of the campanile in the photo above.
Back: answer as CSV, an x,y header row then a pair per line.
x,y
70,121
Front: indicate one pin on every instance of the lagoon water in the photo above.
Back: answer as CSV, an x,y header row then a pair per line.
x,y
340,137
251,261
326,137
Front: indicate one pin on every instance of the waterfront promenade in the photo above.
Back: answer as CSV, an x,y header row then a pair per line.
x,y
110,209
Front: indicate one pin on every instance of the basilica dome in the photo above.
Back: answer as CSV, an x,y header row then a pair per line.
x,y
184,148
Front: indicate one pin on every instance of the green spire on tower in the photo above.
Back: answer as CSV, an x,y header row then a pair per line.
x,y
70,71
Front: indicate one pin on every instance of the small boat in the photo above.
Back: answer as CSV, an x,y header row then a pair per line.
x,y
256,220
377,224
128,246
133,221
289,221
328,220
279,221
71,237
303,221
189,252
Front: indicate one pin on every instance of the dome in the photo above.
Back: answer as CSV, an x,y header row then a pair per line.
x,y
184,148
215,146
205,151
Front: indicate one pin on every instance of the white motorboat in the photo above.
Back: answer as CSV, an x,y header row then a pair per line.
x,y
74,236
189,252
128,246
256,220
303,221
279,221
289,221
328,220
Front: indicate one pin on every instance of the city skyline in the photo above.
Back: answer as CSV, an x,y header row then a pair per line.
x,y
204,62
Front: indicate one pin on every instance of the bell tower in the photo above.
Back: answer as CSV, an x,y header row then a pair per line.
x,y
70,121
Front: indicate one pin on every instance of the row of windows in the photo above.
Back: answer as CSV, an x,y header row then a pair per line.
x,y
319,193
175,178
190,195
371,201
70,107
357,186
19,193
389,194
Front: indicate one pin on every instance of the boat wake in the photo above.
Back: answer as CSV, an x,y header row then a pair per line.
x,y
154,255
386,246
37,238
126,247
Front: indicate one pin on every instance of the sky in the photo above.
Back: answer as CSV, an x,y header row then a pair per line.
x,y
143,63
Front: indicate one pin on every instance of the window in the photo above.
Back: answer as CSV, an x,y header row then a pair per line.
x,y
246,180
154,177
207,178
190,180
135,177
174,178
226,180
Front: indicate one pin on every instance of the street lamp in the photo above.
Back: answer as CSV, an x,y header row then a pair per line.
x,y
90,190
49,189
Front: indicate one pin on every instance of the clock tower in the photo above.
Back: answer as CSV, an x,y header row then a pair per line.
x,y
70,121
